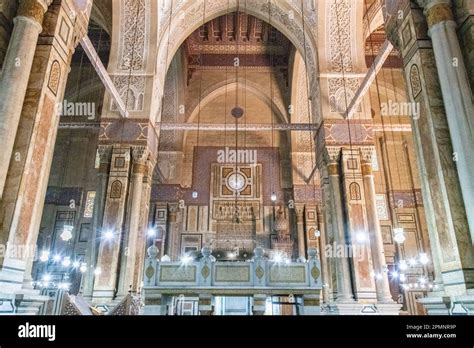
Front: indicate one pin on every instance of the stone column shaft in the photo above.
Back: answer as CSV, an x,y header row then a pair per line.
x,y
376,242
322,255
300,228
172,246
343,273
144,224
457,96
99,204
15,75
134,213
105,283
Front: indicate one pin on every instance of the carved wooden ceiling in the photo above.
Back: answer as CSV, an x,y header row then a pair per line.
x,y
220,41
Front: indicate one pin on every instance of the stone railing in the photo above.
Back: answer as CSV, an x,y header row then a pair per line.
x,y
258,278
258,273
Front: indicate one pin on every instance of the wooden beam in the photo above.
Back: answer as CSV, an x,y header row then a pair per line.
x,y
103,74
370,77
241,127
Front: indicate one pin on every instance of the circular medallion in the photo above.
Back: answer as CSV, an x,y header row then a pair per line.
x,y
237,112
236,181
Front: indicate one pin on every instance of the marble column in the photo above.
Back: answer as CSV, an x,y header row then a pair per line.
x,y
299,210
127,270
143,227
322,255
375,234
15,75
343,273
457,94
105,153
173,233
356,224
111,234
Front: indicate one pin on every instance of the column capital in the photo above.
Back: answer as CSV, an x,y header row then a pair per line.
x,y
105,153
105,156
367,153
331,154
437,11
299,210
139,153
330,159
140,158
427,4
33,9
173,212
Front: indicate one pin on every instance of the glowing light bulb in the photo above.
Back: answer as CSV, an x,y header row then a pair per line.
x,y
151,232
165,258
64,286
97,271
47,278
57,258
195,194
273,197
403,265
67,233
76,264
412,262
83,267
66,262
403,277
277,258
186,259
395,275
109,235
424,258
44,256
361,237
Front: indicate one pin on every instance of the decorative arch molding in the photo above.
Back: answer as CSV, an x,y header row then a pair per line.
x,y
188,16
286,16
299,91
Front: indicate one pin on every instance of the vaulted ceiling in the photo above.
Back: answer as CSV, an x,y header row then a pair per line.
x,y
220,41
